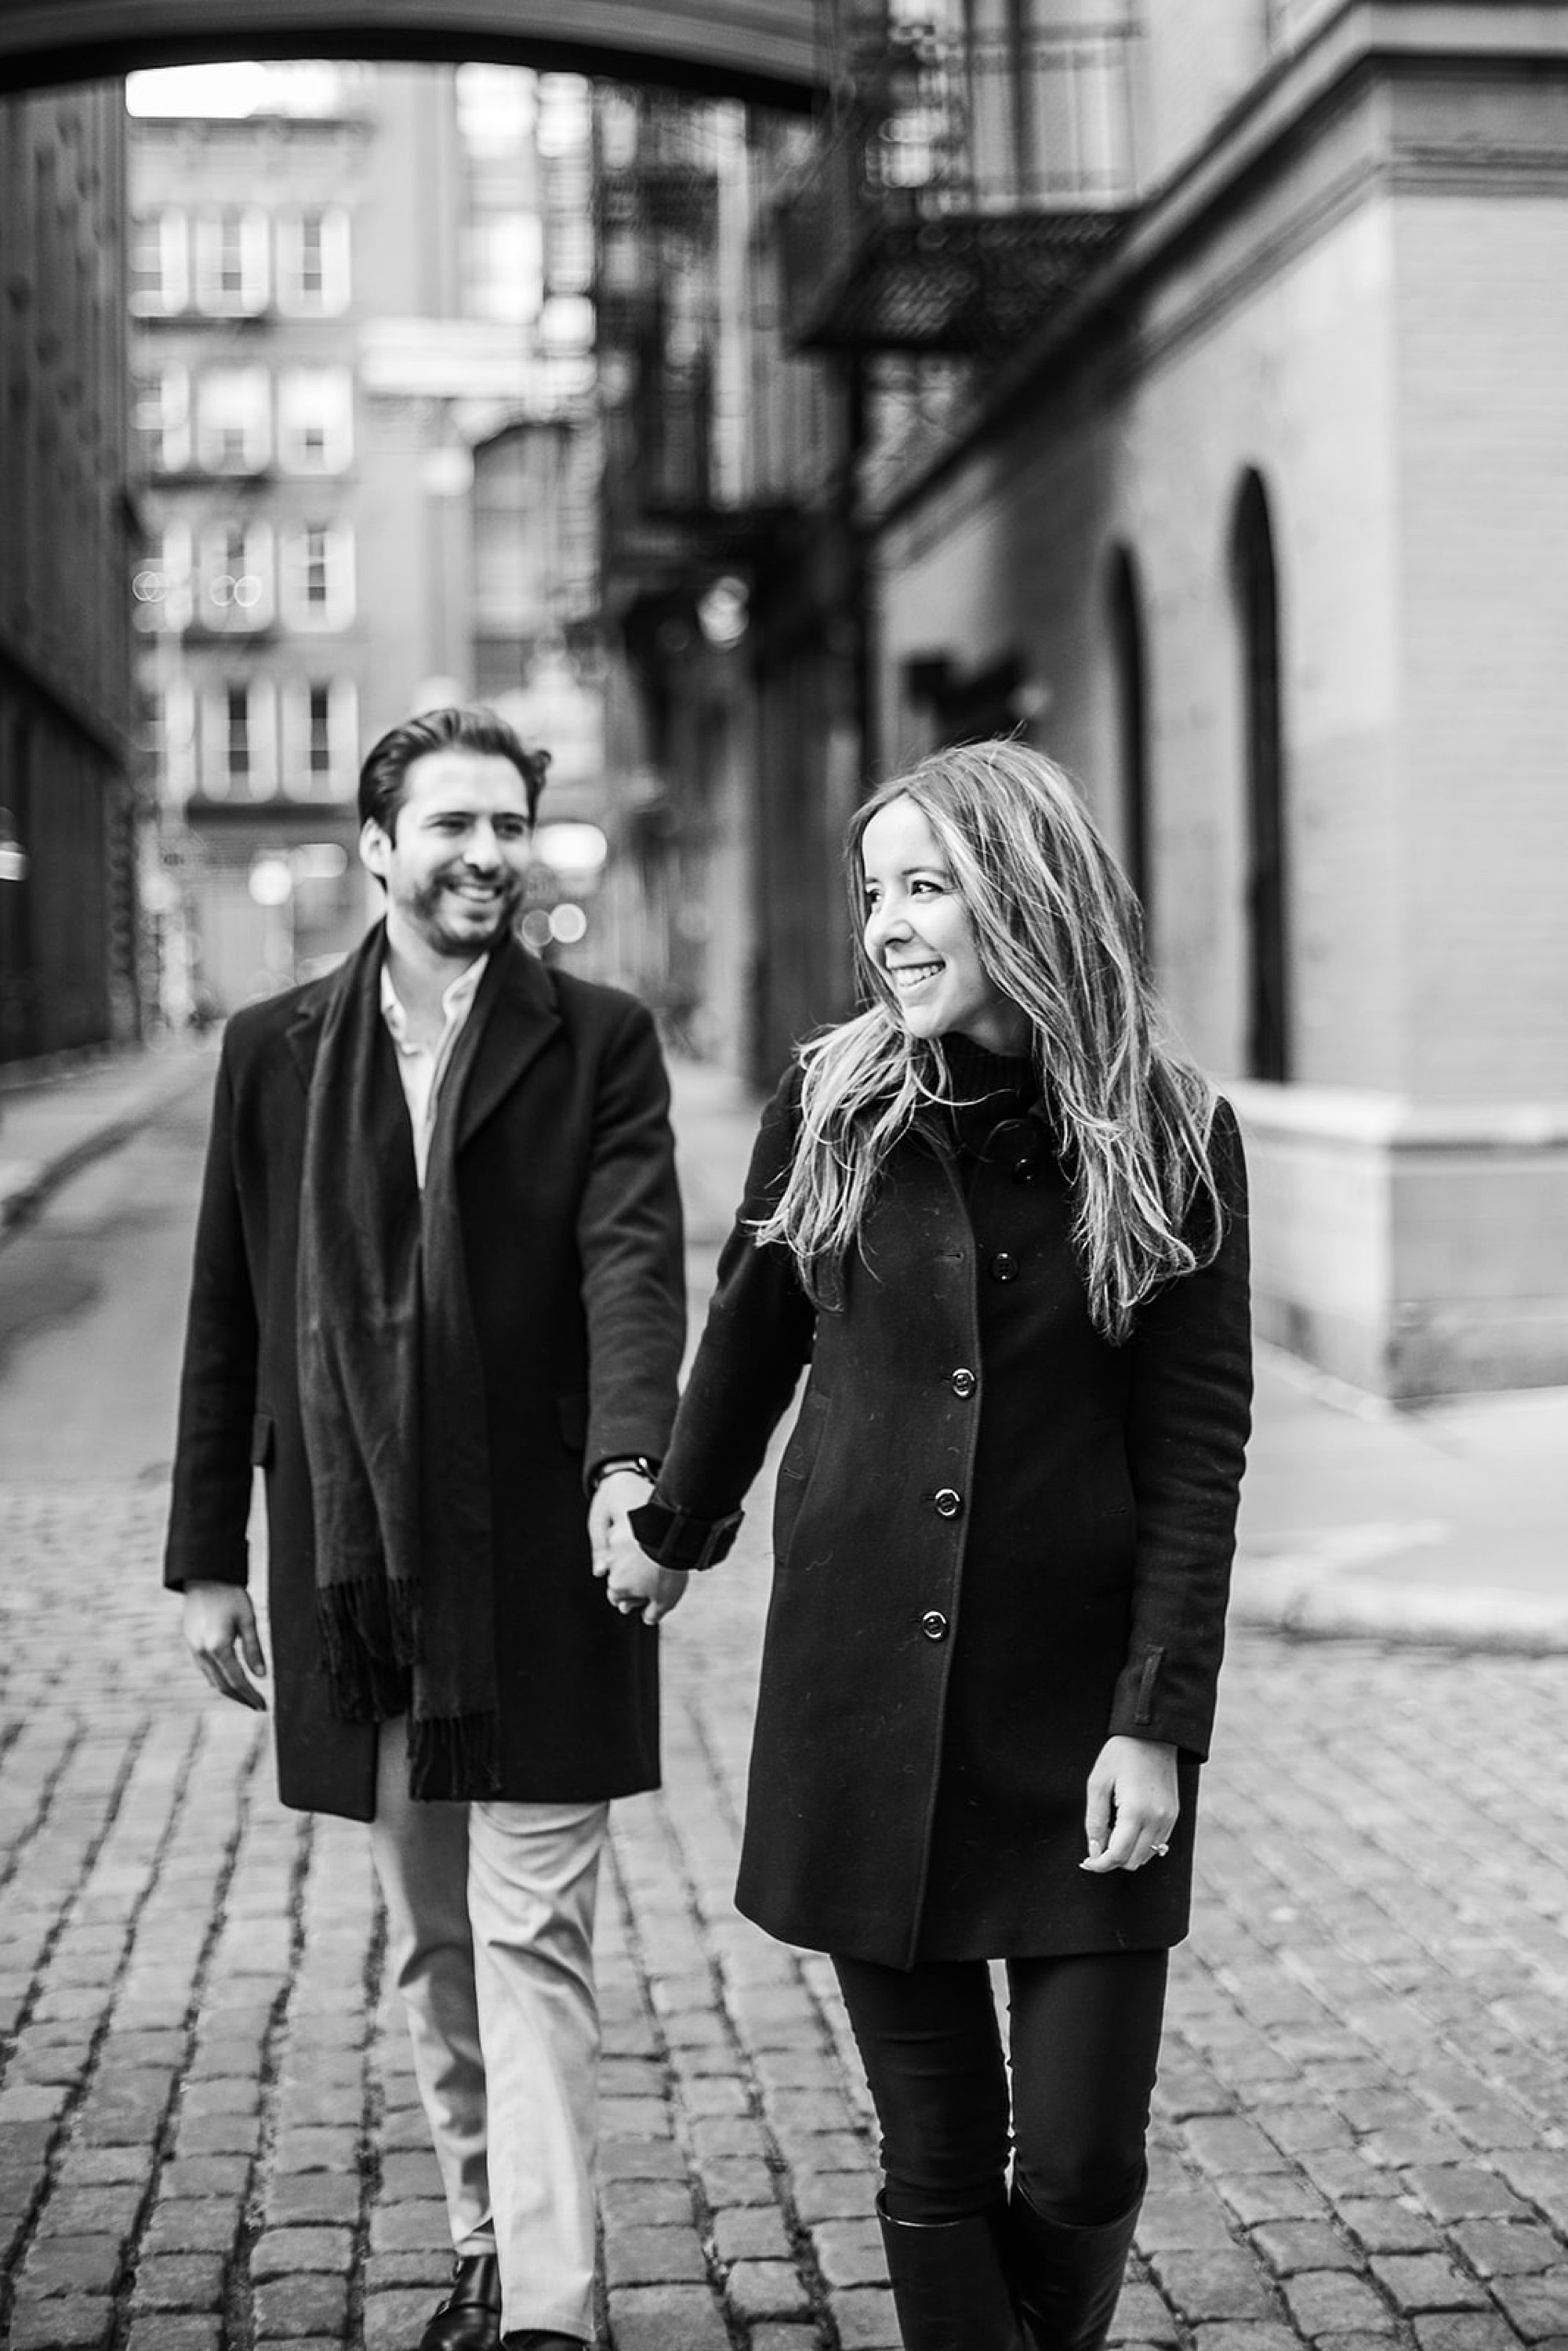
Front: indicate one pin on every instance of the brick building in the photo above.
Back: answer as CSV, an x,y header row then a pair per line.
x,y
68,824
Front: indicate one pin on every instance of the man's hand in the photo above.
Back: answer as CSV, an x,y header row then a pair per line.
x,y
221,1635
631,1582
1135,1779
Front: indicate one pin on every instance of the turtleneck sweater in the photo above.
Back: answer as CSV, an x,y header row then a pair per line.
x,y
987,1088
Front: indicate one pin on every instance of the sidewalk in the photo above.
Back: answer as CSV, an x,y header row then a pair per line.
x,y
54,1124
1443,1523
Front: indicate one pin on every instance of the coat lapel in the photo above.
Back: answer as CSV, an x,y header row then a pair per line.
x,y
304,1032
522,1021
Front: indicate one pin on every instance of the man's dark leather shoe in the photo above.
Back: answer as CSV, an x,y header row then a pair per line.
x,y
470,2317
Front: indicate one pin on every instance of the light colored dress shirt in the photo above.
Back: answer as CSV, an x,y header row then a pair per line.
x,y
423,1066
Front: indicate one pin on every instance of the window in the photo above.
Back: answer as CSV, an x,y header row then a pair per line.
x,y
503,255
164,419
316,419
238,751
495,111
313,262
232,261
234,425
236,591
572,252
161,587
1130,672
318,747
1255,587
236,734
317,581
172,739
160,265
321,743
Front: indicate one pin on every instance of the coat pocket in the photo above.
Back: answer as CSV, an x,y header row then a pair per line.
x,y
261,1440
796,1470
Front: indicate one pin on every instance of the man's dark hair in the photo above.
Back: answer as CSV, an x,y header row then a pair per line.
x,y
383,778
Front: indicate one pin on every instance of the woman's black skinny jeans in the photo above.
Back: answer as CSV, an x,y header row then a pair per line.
x,y
1085,2036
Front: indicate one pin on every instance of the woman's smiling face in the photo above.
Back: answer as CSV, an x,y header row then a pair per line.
x,y
919,936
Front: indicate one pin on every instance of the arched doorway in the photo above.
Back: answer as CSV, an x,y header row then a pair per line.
x,y
1129,671
1255,587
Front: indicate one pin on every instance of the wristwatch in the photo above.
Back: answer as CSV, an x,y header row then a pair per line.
x,y
638,1461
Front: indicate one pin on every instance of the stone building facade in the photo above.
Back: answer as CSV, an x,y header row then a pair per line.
x,y
1265,529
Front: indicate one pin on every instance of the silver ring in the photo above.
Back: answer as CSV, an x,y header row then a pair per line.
x,y
1158,1851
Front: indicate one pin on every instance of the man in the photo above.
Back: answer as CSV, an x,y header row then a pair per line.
x,y
439,1295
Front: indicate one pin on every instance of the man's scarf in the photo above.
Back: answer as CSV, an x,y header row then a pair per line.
x,y
393,1399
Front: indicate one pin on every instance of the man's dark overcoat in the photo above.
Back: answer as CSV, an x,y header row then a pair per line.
x,y
998,1539
571,1229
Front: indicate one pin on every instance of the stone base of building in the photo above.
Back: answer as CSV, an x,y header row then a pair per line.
x,y
1414,1248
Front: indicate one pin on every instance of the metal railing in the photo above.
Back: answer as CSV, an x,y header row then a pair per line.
x,y
986,164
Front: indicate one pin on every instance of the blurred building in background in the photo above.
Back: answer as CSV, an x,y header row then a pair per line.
x,y
1179,385
68,817
731,578
1176,383
363,355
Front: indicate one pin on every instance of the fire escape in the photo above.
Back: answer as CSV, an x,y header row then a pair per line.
x,y
975,164
672,474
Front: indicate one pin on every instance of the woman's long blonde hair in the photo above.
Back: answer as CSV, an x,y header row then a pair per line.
x,y
1059,932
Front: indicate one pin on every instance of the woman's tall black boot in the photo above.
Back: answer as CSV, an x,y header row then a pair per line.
x,y
949,2283
1067,2280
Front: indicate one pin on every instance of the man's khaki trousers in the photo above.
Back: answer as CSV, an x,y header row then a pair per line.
x,y
490,1942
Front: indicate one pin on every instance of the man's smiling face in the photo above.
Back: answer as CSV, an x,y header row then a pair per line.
x,y
458,854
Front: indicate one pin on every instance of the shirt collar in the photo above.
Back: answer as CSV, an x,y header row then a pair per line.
x,y
454,999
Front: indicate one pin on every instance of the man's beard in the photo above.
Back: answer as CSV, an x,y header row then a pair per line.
x,y
427,909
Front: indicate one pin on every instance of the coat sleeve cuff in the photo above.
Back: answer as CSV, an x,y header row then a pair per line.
x,y
1145,1707
679,1537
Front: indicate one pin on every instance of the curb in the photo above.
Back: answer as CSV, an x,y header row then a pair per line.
x,y
26,1183
1468,1619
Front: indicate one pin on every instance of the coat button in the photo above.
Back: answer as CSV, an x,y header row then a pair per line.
x,y
948,1503
963,1383
1004,1266
934,1625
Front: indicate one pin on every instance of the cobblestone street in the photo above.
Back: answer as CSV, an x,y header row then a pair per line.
x,y
208,2131
207,2126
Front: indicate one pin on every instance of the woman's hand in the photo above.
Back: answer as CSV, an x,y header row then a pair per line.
x,y
1135,1779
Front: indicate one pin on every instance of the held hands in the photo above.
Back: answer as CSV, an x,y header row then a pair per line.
x,y
1136,1780
631,1582
221,1635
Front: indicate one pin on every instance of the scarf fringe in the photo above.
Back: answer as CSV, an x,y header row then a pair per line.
x,y
369,1632
456,1757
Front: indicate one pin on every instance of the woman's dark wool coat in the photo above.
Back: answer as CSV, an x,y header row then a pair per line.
x,y
998,1541
571,1229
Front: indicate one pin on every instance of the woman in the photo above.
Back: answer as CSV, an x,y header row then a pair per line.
x,y
1005,1224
